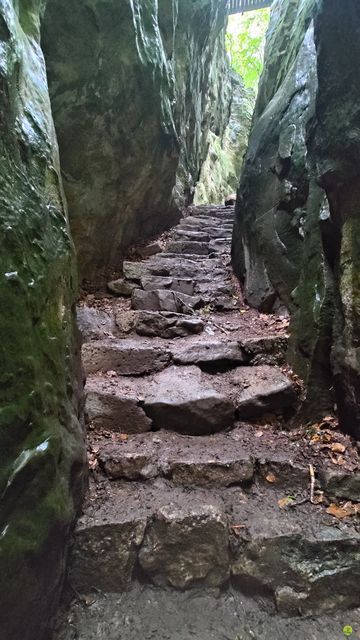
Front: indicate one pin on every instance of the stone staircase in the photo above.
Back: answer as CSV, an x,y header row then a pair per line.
x,y
195,483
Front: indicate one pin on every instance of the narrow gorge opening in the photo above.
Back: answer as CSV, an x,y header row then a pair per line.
x,y
226,146
179,416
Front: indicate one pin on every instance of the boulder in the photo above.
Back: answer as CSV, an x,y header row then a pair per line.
x,y
167,325
186,545
111,406
94,324
164,300
262,389
180,400
105,551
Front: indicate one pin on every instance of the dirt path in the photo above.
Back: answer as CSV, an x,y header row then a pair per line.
x,y
196,481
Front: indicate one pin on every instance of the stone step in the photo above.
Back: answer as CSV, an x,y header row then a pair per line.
x,y
220,245
223,216
116,407
185,538
197,236
185,398
148,612
124,357
200,222
192,247
238,457
208,232
182,285
167,325
176,267
219,460
164,300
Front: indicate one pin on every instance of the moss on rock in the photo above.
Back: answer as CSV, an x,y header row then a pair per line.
x,y
41,439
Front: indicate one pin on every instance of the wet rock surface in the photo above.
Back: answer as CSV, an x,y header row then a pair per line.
x,y
149,612
133,64
186,545
184,495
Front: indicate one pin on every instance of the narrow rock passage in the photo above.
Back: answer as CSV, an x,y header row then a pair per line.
x,y
195,483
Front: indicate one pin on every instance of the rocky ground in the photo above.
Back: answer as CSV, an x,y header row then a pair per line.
x,y
209,500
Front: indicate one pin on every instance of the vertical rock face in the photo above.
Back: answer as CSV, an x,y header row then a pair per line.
x,y
337,153
40,433
133,88
296,238
221,170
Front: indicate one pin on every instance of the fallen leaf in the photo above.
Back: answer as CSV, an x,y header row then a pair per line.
x,y
258,434
339,460
284,502
337,447
342,511
271,478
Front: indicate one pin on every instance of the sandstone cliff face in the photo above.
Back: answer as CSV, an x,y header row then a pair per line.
x,y
135,87
221,170
295,241
41,446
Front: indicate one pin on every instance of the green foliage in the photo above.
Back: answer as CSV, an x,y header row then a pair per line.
x,y
245,41
347,631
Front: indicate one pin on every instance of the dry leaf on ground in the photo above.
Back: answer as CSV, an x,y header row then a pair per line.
x,y
271,478
345,510
284,502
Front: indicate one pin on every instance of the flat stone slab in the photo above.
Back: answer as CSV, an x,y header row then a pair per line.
x,y
183,285
189,247
211,352
186,546
255,390
198,236
176,267
180,400
115,406
204,461
164,300
167,325
125,357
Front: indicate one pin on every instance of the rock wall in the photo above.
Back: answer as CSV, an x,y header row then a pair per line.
x,y
295,239
221,170
135,87
41,442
